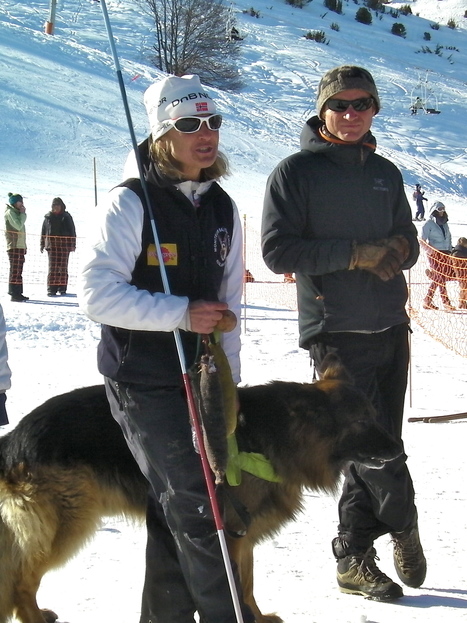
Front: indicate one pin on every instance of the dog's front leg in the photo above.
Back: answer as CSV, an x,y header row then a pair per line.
x,y
241,552
26,608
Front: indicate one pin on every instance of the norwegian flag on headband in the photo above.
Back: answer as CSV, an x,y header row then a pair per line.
x,y
201,107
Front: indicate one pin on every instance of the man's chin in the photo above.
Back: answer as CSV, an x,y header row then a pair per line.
x,y
351,136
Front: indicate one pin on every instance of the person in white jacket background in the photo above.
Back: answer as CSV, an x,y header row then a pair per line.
x,y
5,372
200,236
436,233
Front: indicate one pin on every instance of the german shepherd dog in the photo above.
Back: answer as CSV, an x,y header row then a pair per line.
x,y
66,466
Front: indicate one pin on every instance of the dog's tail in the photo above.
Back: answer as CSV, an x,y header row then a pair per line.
x,y
332,368
9,556
7,571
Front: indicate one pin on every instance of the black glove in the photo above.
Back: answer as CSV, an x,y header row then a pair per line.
x,y
3,415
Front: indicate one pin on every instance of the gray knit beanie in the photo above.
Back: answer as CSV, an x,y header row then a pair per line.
x,y
343,78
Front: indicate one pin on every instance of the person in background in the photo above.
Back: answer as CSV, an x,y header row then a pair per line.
x,y
460,270
419,198
248,276
416,106
58,238
5,372
15,233
436,233
336,214
122,288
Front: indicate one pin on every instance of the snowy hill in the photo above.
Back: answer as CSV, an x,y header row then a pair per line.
x,y
61,111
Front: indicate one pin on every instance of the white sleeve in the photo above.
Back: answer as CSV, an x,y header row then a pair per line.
x,y
231,293
5,372
130,168
106,295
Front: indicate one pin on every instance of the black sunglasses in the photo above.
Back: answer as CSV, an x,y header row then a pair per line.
x,y
189,125
360,104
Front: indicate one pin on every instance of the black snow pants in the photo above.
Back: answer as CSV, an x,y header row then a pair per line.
x,y
185,572
374,501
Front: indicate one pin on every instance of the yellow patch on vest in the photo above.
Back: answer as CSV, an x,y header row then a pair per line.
x,y
169,254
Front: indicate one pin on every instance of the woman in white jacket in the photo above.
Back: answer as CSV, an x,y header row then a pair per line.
x,y
201,242
436,234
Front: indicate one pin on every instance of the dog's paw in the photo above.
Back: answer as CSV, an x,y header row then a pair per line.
x,y
49,615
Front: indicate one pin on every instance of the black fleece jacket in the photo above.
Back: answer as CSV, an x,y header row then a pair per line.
x,y
318,201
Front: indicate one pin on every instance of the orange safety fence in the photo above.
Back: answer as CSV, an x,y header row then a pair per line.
x,y
437,297
442,275
448,326
262,286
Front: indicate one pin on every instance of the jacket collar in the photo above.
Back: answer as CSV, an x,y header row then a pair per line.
x,y
316,139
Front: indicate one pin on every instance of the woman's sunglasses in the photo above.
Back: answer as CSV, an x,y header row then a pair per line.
x,y
189,125
361,104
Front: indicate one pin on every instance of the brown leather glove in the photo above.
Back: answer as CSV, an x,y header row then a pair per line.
x,y
380,258
401,245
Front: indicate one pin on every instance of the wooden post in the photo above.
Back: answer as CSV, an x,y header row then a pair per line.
x,y
49,25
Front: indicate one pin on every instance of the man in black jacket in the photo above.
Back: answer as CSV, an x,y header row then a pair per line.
x,y
337,216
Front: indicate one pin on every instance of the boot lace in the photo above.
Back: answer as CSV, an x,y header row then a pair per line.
x,y
369,571
407,552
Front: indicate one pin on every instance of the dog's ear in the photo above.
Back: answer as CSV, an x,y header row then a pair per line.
x,y
332,368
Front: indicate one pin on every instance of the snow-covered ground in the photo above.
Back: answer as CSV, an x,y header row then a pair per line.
x,y
60,112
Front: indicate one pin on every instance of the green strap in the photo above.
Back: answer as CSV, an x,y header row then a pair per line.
x,y
251,462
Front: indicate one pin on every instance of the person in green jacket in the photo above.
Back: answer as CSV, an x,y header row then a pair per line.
x,y
15,233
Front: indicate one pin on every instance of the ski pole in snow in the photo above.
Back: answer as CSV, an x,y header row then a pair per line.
x,y
192,408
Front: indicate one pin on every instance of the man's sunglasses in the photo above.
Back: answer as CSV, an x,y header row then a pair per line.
x,y
189,125
361,104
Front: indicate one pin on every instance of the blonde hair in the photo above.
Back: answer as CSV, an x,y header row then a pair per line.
x,y
161,154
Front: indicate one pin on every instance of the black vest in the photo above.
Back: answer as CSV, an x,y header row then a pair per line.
x,y
194,244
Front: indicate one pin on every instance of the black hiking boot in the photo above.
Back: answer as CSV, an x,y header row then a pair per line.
x,y
409,559
15,290
358,574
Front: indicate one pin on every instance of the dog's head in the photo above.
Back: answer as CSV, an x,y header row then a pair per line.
x,y
309,431
361,438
